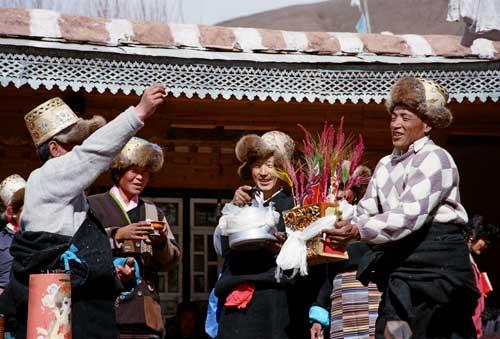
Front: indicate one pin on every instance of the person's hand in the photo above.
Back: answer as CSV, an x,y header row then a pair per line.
x,y
281,236
126,272
272,246
151,98
343,232
136,231
275,245
241,196
159,240
397,329
316,331
347,195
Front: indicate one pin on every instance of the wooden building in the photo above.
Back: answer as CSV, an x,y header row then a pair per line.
x,y
224,82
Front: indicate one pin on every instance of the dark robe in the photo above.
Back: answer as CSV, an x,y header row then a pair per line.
x,y
94,286
426,280
6,236
267,315
130,311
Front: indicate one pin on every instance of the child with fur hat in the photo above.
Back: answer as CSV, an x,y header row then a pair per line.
x,y
12,195
277,309
249,275
56,216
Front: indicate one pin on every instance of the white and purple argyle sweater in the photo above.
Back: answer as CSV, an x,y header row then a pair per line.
x,y
408,190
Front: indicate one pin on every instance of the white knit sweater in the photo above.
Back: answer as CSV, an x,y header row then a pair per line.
x,y
55,200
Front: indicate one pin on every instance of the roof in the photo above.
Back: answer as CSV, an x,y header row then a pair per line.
x,y
40,47
46,25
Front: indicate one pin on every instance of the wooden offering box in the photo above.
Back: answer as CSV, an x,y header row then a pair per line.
x,y
318,251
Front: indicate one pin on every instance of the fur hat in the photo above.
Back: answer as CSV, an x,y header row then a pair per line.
x,y
9,186
251,148
425,98
139,152
78,132
281,142
17,200
54,119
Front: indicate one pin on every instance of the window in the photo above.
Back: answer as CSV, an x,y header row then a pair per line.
x,y
170,283
204,214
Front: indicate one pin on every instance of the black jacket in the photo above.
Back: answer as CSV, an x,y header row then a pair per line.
x,y
94,284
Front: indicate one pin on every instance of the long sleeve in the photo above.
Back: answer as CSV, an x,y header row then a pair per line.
x,y
320,310
66,176
55,200
5,258
323,297
429,185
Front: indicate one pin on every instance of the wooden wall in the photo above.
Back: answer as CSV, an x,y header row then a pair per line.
x,y
199,136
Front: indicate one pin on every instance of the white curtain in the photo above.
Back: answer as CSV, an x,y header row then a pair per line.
x,y
481,16
142,10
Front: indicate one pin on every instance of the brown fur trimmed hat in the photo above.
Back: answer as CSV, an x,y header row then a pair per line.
x,y
425,98
139,152
251,148
77,133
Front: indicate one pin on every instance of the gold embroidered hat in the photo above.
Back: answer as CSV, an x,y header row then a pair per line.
x,y
9,186
424,97
139,152
49,119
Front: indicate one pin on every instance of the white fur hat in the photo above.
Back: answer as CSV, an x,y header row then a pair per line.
x,y
9,186
252,147
139,152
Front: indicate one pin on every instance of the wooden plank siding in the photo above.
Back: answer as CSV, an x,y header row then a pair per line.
x,y
202,156
194,162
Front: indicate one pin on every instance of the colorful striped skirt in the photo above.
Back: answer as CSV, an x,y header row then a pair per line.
x,y
354,308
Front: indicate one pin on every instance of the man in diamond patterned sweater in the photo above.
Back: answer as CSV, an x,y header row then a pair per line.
x,y
412,216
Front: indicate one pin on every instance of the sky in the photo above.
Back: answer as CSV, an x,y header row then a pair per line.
x,y
193,11
214,11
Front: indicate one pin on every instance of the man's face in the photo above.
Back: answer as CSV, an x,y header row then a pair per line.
x,y
134,180
406,128
263,174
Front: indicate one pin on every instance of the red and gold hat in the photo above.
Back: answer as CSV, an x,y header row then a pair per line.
x,y
49,119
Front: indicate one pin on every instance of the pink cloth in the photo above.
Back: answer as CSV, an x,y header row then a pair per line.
x,y
241,296
127,206
476,318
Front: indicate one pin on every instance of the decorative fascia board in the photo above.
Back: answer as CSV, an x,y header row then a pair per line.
x,y
233,79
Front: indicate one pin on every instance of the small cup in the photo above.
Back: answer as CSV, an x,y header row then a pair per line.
x,y
157,226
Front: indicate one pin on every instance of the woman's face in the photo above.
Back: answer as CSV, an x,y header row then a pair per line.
x,y
134,180
263,174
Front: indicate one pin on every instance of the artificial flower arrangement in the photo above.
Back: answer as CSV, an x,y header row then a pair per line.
x,y
329,167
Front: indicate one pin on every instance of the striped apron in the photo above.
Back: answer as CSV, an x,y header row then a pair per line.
x,y
354,308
